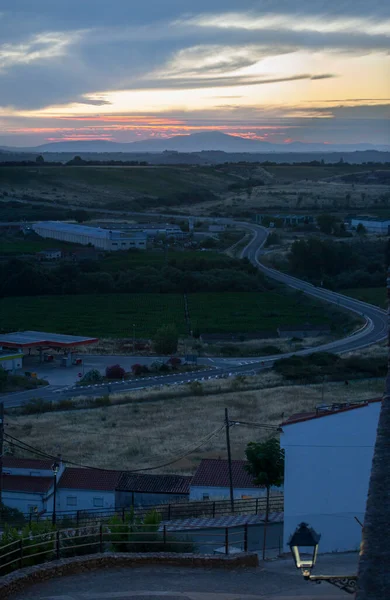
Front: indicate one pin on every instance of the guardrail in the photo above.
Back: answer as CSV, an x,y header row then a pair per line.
x,y
64,543
166,512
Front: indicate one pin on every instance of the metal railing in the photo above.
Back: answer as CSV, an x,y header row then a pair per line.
x,y
166,512
121,537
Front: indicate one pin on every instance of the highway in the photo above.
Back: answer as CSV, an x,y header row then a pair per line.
x,y
374,331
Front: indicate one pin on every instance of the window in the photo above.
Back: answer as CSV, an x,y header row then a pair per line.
x,y
98,502
71,501
206,496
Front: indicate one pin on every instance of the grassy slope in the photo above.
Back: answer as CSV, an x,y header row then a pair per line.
x,y
155,181
148,434
375,296
297,173
113,315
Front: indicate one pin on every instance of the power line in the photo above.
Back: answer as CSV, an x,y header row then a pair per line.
x,y
26,447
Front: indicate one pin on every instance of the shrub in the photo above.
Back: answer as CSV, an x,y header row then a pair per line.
x,y
92,376
138,369
196,388
65,404
174,361
101,401
115,372
36,406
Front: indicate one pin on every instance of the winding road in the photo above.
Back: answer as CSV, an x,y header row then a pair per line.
x,y
374,331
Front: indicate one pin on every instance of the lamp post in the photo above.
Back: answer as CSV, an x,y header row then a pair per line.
x,y
305,540
55,468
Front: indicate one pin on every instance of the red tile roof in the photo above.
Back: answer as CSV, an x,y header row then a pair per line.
x,y
333,409
27,484
89,479
154,484
13,462
215,473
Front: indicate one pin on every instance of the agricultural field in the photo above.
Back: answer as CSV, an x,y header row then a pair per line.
x,y
251,311
153,426
113,315
100,315
375,296
14,245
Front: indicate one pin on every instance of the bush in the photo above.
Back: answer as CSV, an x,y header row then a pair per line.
x,y
12,516
115,372
36,406
174,361
138,369
196,388
92,376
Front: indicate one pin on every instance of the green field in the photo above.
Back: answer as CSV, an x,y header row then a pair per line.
x,y
31,245
113,315
251,311
102,315
314,173
375,296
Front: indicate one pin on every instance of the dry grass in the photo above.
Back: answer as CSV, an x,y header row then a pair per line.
x,y
144,433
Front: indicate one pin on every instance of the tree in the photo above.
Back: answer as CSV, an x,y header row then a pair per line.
x,y
374,571
166,340
266,465
40,160
327,223
360,229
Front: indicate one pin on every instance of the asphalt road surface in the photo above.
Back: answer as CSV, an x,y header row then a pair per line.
x,y
374,331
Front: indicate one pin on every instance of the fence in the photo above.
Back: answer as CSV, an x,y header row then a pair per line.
x,y
167,512
63,543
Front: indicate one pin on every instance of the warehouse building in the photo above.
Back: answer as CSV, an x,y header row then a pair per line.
x,y
371,224
105,239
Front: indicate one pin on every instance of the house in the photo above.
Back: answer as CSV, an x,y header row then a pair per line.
x,y
87,489
52,254
328,456
302,331
136,489
28,484
211,481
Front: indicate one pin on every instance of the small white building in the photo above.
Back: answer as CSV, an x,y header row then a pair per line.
x,y
372,225
11,360
327,469
211,481
105,239
28,484
87,489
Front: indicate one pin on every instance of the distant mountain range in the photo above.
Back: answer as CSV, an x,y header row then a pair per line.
x,y
196,142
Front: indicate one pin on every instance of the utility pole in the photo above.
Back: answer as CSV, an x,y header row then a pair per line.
x,y
227,427
1,449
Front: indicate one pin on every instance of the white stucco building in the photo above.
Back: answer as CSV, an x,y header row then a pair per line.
x,y
327,469
87,489
105,239
28,484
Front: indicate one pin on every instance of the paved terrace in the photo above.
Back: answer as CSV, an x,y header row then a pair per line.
x,y
276,580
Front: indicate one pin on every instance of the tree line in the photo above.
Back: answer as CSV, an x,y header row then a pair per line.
x,y
27,278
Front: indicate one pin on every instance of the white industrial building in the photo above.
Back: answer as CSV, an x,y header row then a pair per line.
x,y
105,239
328,458
372,225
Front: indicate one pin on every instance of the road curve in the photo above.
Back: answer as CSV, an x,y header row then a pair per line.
x,y
374,331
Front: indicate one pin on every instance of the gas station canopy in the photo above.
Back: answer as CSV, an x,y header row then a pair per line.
x,y
30,339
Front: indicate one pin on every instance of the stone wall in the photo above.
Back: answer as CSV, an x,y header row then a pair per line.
x,y
18,580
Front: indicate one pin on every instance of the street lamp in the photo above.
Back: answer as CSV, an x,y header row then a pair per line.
x,y
305,540
304,537
55,468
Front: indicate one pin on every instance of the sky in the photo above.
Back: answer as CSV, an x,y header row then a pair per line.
x,y
126,70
